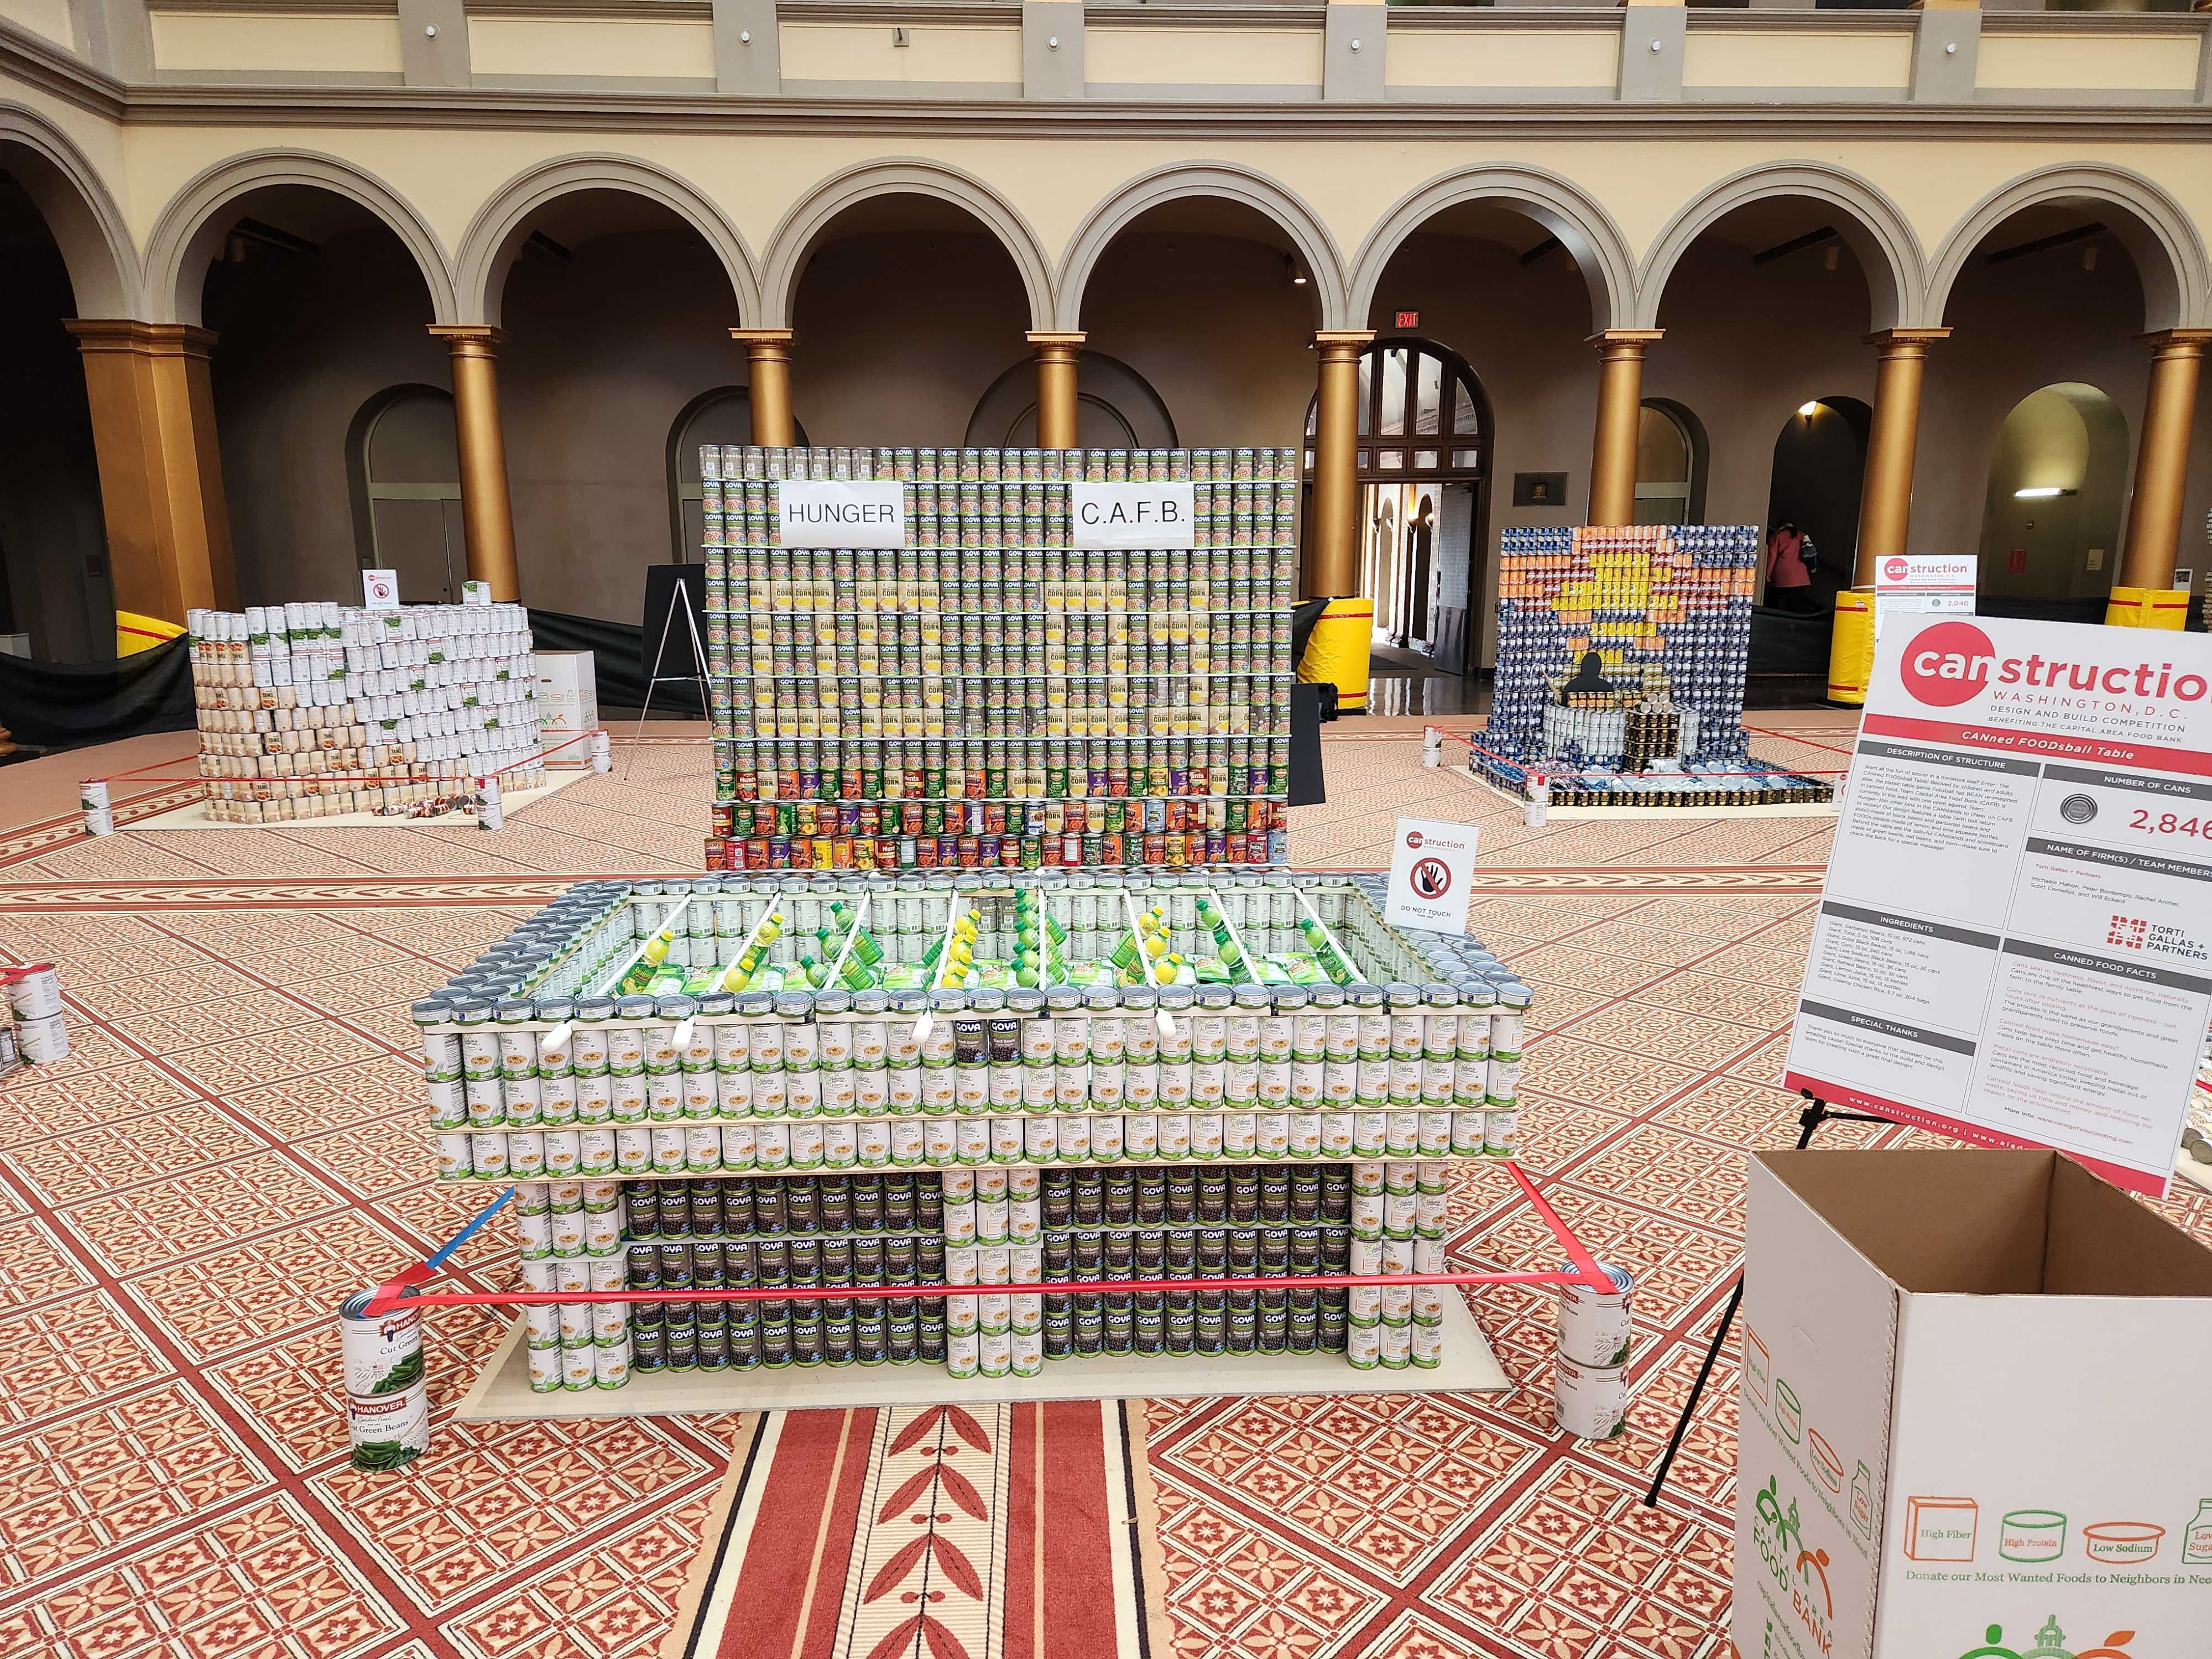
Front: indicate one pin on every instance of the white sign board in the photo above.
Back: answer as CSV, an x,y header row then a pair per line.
x,y
567,704
1432,874
379,590
2015,943
1923,583
832,513
1131,515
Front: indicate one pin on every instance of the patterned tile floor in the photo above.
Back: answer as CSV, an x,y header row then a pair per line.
x,y
233,1145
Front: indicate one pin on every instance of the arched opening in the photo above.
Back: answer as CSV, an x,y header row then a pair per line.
x,y
908,308
618,310
2051,523
1207,299
1424,430
2052,296
723,416
318,309
1115,409
1819,467
1671,455
405,483
56,599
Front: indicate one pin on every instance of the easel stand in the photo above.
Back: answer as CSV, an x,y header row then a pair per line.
x,y
698,676
1816,1113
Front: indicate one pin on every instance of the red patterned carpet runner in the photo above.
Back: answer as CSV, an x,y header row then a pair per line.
x,y
929,1532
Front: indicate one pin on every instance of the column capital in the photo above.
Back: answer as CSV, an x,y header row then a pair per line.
x,y
1342,342
765,340
1063,339
470,339
146,339
2164,342
1606,339
1893,340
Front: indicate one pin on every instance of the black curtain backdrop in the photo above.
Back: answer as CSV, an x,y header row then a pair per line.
x,y
67,705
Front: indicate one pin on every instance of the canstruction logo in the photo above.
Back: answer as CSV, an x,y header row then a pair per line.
x,y
1896,570
1953,662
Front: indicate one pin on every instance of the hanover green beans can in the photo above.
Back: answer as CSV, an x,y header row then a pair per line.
x,y
387,1397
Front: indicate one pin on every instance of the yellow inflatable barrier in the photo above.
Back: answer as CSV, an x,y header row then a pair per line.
x,y
1850,647
1337,651
2147,607
135,633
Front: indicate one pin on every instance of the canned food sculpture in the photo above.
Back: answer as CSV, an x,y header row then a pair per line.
x,y
1621,656
988,694
1009,1077
310,709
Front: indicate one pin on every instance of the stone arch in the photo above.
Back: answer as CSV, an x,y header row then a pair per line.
x,y
81,214
1230,182
804,227
496,235
1888,252
190,230
1583,228
2169,255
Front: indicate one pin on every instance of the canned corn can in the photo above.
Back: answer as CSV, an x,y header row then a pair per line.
x,y
1590,1401
99,815
1596,1327
387,1397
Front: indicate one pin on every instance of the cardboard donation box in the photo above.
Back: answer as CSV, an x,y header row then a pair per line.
x,y
567,704
1973,1405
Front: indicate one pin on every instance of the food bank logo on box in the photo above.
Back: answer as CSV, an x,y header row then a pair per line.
x,y
2050,1642
1800,1573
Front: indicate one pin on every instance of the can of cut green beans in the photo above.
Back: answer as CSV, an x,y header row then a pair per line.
x,y
387,1397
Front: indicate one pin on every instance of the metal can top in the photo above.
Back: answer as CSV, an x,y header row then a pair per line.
x,y
871,1002
1514,995
1252,996
1025,1001
1175,999
595,1008
987,999
834,1002
675,1006
754,1005
1623,1282
514,1010
1289,998
716,1002
556,1008
793,1005
432,1010
633,1007
1363,996
948,1002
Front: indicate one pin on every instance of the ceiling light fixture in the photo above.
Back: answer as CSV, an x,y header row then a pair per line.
x,y
2042,492
1808,410
1290,264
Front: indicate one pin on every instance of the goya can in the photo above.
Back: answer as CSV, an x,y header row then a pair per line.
x,y
387,1396
1595,1326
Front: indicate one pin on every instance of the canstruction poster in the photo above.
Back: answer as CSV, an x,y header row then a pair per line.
x,y
2015,943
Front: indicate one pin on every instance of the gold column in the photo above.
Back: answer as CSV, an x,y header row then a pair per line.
x,y
1056,354
487,511
2162,459
160,473
1619,414
1886,491
767,382
1332,560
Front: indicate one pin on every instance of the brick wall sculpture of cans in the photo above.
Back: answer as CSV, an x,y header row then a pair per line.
x,y
989,692
795,1081
311,710
1667,611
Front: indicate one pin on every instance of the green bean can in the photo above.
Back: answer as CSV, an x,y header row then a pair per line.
x,y
387,1397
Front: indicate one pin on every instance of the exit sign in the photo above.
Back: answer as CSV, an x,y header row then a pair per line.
x,y
1409,320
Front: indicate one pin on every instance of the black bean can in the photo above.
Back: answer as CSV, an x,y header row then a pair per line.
x,y
1120,1197
1213,1331
1244,1333
1244,1252
772,1260
833,1206
1244,1195
1305,1250
836,1254
929,1205
1336,1193
1183,1197
1120,1323
1121,1254
769,1208
1336,1249
1059,1327
1151,1322
1090,1325
648,1346
1089,1195
737,1208
642,1266
806,1261
740,1264
1274,1322
1274,1194
899,1203
1056,1200
745,1338
681,1338
1058,1251
898,1259
837,1334
1333,1317
1182,1252
1213,1195
868,1261
867,1204
903,1332
1182,1322
675,1265
870,1343
929,1258
1305,1320
1151,1255
704,1200
674,1209
713,1340
1090,1251
1152,1197
1212,1252
930,1327
641,1209
1275,1250
1305,1196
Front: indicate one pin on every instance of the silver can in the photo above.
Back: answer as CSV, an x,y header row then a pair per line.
x,y
99,814
387,1397
1596,1327
1590,1401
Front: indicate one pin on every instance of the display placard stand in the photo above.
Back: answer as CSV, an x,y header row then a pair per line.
x,y
1816,1113
679,600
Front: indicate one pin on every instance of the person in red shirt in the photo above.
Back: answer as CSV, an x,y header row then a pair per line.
x,y
1789,582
